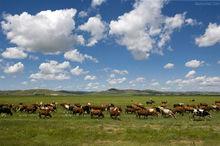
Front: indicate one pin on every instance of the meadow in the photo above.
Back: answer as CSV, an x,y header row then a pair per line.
x,y
66,129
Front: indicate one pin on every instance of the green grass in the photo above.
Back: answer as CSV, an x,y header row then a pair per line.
x,y
66,129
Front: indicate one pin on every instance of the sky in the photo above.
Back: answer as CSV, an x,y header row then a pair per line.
x,y
94,45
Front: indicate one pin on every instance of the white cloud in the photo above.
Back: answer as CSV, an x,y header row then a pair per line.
x,y
121,72
14,53
210,37
77,71
83,14
52,70
18,67
92,86
96,3
155,84
190,74
46,32
144,30
74,55
116,81
192,22
95,27
137,80
196,82
169,66
218,62
194,63
89,77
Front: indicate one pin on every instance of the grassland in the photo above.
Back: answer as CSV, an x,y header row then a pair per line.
x,y
66,129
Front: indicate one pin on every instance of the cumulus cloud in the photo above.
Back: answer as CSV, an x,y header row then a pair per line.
x,y
18,67
14,53
95,27
74,55
194,63
210,37
115,81
90,77
77,71
190,74
169,66
46,32
144,30
52,70
96,3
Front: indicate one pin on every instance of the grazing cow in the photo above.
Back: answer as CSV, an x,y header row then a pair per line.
x,y
5,109
164,102
96,113
45,113
150,102
166,112
201,113
115,112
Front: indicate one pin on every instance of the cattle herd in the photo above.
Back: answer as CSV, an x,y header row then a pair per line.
x,y
98,111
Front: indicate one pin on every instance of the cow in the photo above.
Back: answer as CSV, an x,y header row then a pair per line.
x,y
201,113
78,110
166,112
45,113
179,109
115,112
146,112
96,113
6,110
150,102
130,110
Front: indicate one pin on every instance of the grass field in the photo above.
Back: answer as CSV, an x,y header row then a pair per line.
x,y
66,129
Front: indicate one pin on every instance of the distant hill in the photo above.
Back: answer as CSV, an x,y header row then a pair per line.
x,y
112,91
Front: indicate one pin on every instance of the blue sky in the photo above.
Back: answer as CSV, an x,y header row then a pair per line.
x,y
102,44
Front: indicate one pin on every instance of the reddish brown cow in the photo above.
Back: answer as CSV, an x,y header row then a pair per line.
x,y
96,113
78,110
115,112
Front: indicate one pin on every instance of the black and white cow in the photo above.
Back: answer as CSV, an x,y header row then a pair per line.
x,y
201,113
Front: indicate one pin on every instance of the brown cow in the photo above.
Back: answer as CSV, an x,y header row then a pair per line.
x,y
115,112
78,110
179,109
97,113
45,113
129,110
